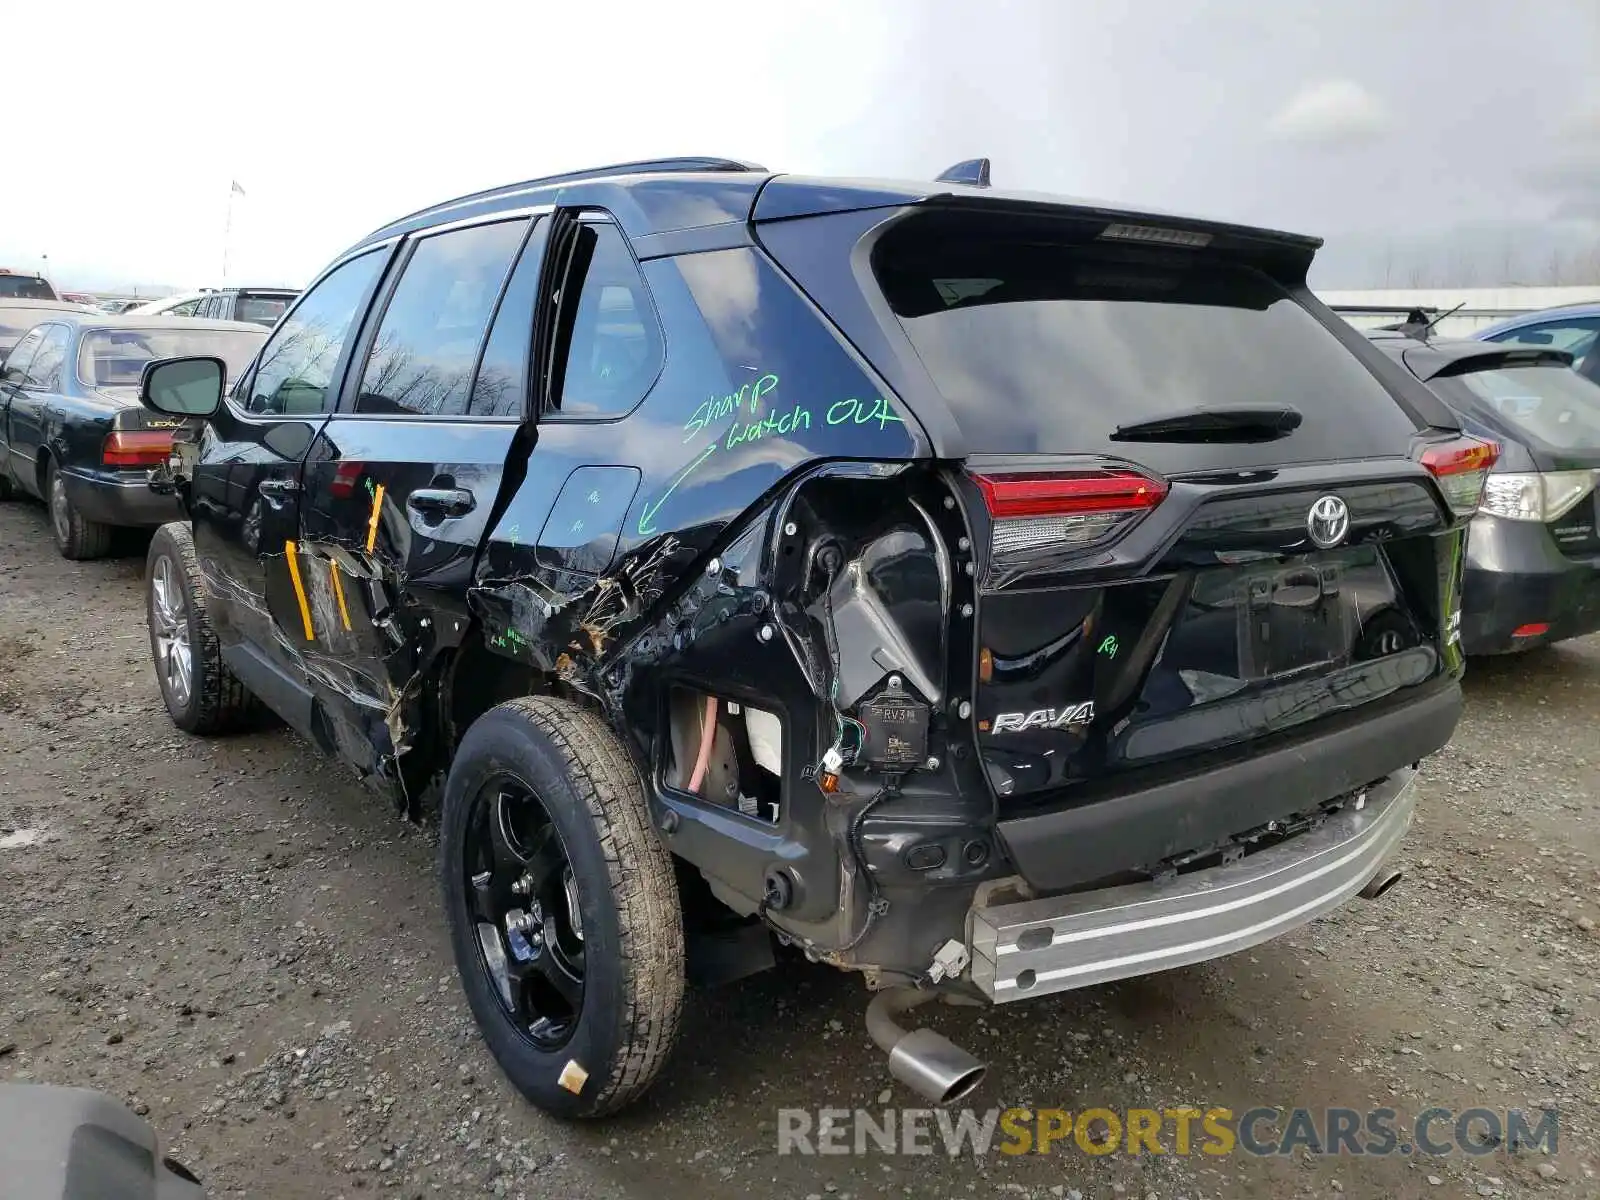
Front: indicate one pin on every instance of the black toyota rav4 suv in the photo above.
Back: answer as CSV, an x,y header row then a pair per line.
x,y
987,593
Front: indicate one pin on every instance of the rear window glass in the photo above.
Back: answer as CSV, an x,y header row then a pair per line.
x,y
116,357
263,310
1040,346
25,287
1549,403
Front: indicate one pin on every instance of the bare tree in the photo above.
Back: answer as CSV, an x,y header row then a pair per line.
x,y
1508,261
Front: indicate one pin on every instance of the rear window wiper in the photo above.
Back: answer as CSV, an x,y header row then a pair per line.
x,y
1244,423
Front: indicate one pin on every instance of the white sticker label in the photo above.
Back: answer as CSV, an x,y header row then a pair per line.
x,y
573,1077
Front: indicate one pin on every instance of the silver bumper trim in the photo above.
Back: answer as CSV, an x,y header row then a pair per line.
x,y
1035,947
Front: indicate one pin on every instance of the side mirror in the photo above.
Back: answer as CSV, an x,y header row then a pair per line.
x,y
183,387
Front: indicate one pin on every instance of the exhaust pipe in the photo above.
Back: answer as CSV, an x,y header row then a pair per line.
x,y
1380,883
928,1063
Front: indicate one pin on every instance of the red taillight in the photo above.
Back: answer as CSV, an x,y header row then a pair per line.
x,y
1044,512
1461,466
136,448
1061,492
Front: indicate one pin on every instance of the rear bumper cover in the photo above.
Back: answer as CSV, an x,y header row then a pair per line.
x,y
1035,947
1516,576
118,498
1068,847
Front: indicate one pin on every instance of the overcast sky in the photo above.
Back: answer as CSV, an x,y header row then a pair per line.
x,y
1421,137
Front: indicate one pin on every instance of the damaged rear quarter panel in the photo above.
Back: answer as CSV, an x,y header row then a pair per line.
x,y
756,387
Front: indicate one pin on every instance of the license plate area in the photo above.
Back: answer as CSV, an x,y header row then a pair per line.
x,y
1294,618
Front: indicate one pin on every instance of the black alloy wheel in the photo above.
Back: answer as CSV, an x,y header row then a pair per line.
x,y
525,905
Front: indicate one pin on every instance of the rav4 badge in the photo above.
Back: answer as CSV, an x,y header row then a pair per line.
x,y
1045,718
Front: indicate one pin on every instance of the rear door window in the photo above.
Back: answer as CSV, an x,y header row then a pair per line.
x,y
501,385
609,325
427,343
1041,346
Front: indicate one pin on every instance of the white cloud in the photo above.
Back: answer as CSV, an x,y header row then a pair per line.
x,y
1333,112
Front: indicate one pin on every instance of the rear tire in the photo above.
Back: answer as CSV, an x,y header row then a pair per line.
x,y
559,767
76,536
202,696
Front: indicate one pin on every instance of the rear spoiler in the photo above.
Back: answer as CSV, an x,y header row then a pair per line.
x,y
1435,363
1286,257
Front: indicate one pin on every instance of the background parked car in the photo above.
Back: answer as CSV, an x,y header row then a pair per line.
x,y
259,306
1532,574
1573,329
71,429
19,316
120,306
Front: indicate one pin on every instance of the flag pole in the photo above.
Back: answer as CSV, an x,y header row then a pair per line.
x,y
227,231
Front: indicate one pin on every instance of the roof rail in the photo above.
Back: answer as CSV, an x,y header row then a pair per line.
x,y
642,167
1384,310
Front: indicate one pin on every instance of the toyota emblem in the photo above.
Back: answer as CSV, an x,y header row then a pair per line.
x,y
1328,521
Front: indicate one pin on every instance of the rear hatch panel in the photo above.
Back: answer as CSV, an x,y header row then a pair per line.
x,y
1239,629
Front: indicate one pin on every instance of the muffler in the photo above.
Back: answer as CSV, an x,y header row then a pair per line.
x,y
928,1063
1380,883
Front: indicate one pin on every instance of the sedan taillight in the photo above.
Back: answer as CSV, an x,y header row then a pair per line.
x,y
136,448
1540,496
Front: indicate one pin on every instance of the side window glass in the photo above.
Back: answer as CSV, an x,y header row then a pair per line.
x,y
422,358
22,353
614,352
295,367
45,369
502,380
187,309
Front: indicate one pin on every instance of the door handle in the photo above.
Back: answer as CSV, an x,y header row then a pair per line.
x,y
279,487
438,503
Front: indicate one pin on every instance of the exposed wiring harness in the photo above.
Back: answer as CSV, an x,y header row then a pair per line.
x,y
830,638
877,902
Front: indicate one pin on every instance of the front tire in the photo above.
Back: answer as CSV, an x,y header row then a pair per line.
x,y
202,696
562,905
76,536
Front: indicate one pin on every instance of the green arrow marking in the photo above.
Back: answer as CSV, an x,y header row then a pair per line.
x,y
647,519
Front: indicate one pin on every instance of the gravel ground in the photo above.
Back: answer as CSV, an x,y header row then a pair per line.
x,y
244,945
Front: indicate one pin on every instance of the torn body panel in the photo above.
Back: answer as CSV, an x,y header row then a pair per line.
x,y
766,625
